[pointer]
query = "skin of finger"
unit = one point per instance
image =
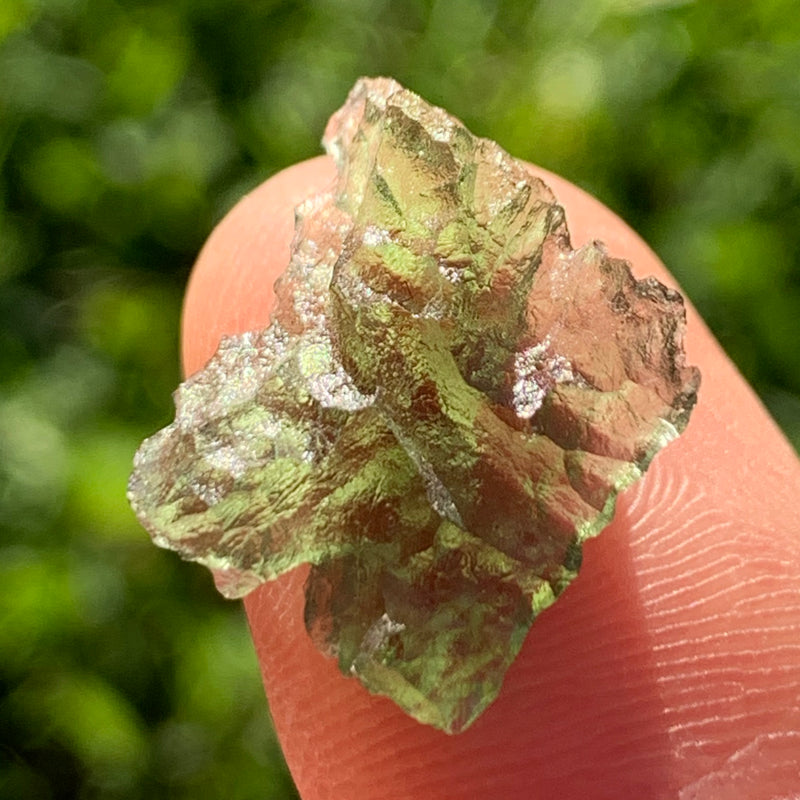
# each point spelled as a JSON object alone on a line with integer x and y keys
{"x": 670, "y": 668}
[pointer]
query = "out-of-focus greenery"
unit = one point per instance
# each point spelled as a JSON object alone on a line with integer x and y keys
{"x": 128, "y": 128}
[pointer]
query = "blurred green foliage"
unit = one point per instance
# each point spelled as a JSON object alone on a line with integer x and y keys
{"x": 128, "y": 128}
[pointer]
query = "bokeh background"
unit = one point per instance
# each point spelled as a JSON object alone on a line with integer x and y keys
{"x": 127, "y": 129}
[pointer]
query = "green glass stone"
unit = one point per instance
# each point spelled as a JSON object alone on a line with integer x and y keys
{"x": 443, "y": 408}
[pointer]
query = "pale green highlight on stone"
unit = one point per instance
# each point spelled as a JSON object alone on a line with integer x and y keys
{"x": 444, "y": 407}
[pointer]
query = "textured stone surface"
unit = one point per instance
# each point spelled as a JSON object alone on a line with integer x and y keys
{"x": 443, "y": 408}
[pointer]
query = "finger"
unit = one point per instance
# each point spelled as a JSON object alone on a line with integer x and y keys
{"x": 670, "y": 668}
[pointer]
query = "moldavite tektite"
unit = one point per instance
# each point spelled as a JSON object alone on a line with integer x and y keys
{"x": 443, "y": 408}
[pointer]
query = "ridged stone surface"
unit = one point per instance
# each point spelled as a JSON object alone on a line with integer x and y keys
{"x": 442, "y": 411}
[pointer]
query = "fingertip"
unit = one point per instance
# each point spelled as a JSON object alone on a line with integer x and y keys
{"x": 583, "y": 709}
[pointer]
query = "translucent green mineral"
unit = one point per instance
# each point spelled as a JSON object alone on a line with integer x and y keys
{"x": 443, "y": 408}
